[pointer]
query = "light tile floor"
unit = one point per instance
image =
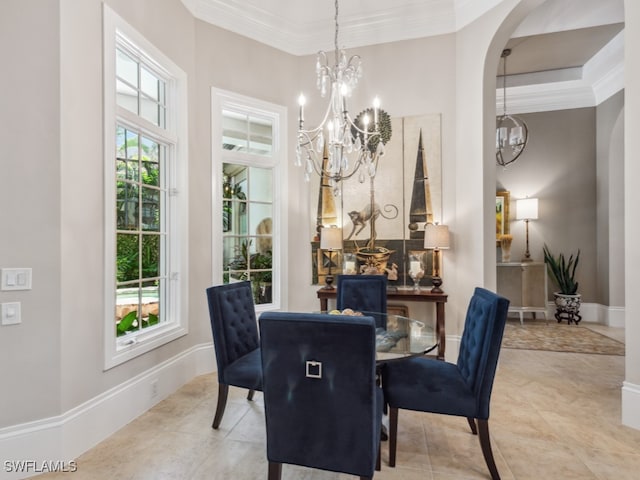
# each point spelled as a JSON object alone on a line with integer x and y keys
{"x": 554, "y": 416}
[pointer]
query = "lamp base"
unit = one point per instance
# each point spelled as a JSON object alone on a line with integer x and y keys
{"x": 437, "y": 281}
{"x": 329, "y": 283}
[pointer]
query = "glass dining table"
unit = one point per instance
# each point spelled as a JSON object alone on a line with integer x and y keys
{"x": 401, "y": 338}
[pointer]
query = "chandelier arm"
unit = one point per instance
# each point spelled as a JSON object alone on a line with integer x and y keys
{"x": 320, "y": 126}
{"x": 351, "y": 122}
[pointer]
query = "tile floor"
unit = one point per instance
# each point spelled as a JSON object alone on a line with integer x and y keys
{"x": 555, "y": 416}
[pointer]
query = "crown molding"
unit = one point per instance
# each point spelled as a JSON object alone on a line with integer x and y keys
{"x": 547, "y": 97}
{"x": 299, "y": 37}
{"x": 589, "y": 86}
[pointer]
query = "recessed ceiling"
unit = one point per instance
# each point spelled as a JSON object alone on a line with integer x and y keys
{"x": 557, "y": 50}
{"x": 576, "y": 44}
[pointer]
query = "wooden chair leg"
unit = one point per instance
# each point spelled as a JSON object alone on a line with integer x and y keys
{"x": 393, "y": 435}
{"x": 378, "y": 461}
{"x": 223, "y": 392}
{"x": 275, "y": 471}
{"x": 472, "y": 424}
{"x": 485, "y": 444}
{"x": 250, "y": 395}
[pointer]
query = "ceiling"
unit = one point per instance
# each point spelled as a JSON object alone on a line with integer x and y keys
{"x": 563, "y": 50}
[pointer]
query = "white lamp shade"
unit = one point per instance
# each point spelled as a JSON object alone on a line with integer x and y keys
{"x": 436, "y": 236}
{"x": 331, "y": 238}
{"x": 527, "y": 209}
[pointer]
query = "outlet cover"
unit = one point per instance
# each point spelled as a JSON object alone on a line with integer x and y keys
{"x": 10, "y": 313}
{"x": 15, "y": 279}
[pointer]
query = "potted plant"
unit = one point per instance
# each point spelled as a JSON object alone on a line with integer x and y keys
{"x": 563, "y": 272}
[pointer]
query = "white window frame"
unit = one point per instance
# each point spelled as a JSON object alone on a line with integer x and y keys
{"x": 118, "y": 350}
{"x": 225, "y": 100}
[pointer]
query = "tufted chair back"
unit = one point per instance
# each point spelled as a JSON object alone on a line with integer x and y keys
{"x": 365, "y": 293}
{"x": 323, "y": 408}
{"x": 233, "y": 323}
{"x": 462, "y": 388}
{"x": 480, "y": 344}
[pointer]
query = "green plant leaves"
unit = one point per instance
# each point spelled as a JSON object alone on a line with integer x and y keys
{"x": 563, "y": 271}
{"x": 127, "y": 322}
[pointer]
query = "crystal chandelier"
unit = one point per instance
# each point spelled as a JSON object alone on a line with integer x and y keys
{"x": 344, "y": 136}
{"x": 512, "y": 133}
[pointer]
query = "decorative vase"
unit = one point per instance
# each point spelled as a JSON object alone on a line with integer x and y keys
{"x": 568, "y": 307}
{"x": 505, "y": 246}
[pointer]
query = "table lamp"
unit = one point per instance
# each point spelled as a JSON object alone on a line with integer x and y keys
{"x": 330, "y": 240}
{"x": 436, "y": 237}
{"x": 527, "y": 209}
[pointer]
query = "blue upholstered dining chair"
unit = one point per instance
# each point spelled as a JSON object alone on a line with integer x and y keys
{"x": 322, "y": 406}
{"x": 365, "y": 293}
{"x": 236, "y": 341}
{"x": 463, "y": 388}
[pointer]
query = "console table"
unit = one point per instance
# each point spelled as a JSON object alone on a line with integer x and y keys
{"x": 408, "y": 295}
{"x": 525, "y": 285}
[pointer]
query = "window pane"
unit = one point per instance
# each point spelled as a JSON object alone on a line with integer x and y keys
{"x": 149, "y": 149}
{"x": 149, "y": 110}
{"x": 151, "y": 173}
{"x": 261, "y": 136}
{"x": 235, "y": 132}
{"x": 127, "y": 206}
{"x": 260, "y": 215}
{"x": 127, "y": 305}
{"x": 132, "y": 146}
{"x": 262, "y": 287}
{"x": 261, "y": 185}
{"x": 150, "y": 84}
{"x": 235, "y": 256}
{"x": 150, "y": 304}
{"x": 126, "y": 68}
{"x": 150, "y": 256}
{"x": 126, "y": 97}
{"x": 127, "y": 257}
{"x": 150, "y": 209}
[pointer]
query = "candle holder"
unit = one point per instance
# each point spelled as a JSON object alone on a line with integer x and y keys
{"x": 349, "y": 264}
{"x": 416, "y": 271}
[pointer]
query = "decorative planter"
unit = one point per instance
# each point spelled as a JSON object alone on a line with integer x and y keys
{"x": 568, "y": 307}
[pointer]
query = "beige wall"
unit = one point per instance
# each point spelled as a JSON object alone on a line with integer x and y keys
{"x": 610, "y": 204}
{"x": 30, "y": 206}
{"x": 632, "y": 198}
{"x": 558, "y": 167}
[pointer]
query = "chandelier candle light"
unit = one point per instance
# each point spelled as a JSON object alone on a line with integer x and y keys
{"x": 436, "y": 237}
{"x": 343, "y": 134}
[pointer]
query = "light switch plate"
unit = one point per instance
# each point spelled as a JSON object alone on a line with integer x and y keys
{"x": 15, "y": 279}
{"x": 10, "y": 313}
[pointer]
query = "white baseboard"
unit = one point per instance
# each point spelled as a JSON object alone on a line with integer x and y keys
{"x": 631, "y": 405}
{"x": 66, "y": 436}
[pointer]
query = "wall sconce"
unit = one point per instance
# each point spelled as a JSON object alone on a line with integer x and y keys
{"x": 436, "y": 237}
{"x": 527, "y": 209}
{"x": 330, "y": 240}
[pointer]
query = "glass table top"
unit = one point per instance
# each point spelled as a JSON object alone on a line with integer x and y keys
{"x": 402, "y": 337}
